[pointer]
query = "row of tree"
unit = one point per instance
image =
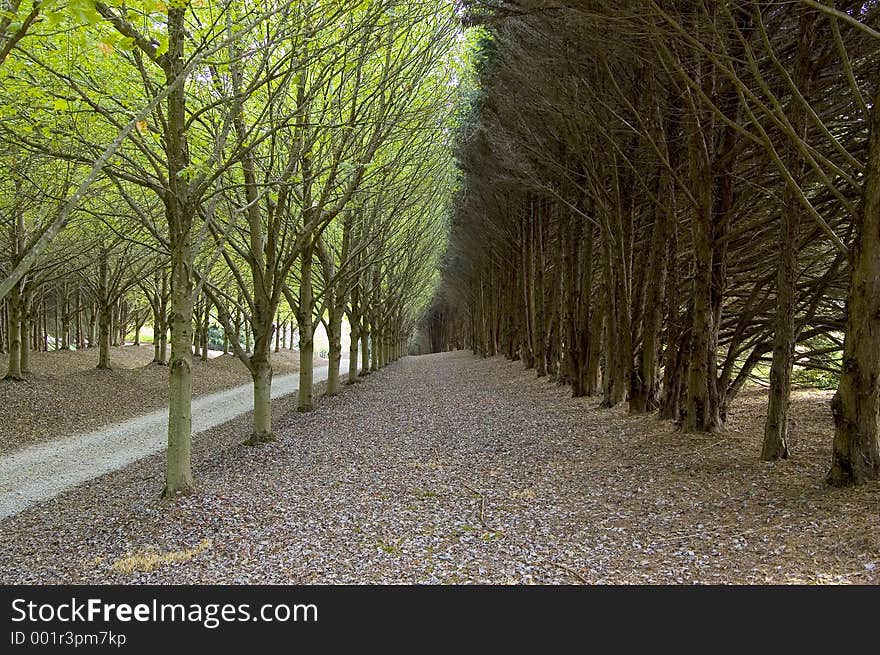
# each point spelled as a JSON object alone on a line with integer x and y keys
{"x": 666, "y": 199}
{"x": 72, "y": 313}
{"x": 236, "y": 163}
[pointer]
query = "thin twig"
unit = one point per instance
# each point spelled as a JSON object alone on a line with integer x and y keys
{"x": 567, "y": 569}
{"x": 482, "y": 514}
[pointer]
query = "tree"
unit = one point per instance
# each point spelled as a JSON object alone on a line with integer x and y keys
{"x": 666, "y": 212}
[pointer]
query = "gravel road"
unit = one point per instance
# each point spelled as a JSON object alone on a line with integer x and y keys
{"x": 44, "y": 471}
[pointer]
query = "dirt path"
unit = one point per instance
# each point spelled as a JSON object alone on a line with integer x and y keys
{"x": 454, "y": 469}
{"x": 43, "y": 471}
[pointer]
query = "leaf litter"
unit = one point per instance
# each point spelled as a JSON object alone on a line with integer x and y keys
{"x": 450, "y": 469}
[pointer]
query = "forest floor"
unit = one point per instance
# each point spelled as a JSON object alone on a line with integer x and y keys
{"x": 65, "y": 393}
{"x": 451, "y": 469}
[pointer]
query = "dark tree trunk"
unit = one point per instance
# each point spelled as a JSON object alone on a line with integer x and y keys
{"x": 856, "y": 405}
{"x": 776, "y": 427}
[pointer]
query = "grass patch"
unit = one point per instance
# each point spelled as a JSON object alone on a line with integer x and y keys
{"x": 150, "y": 559}
{"x": 389, "y": 547}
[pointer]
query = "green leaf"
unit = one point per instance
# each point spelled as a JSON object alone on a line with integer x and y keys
{"x": 163, "y": 45}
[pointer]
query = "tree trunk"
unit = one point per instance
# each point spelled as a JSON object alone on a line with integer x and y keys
{"x": 306, "y": 367}
{"x": 775, "y": 444}
{"x": 374, "y": 346}
{"x": 160, "y": 332}
{"x": 114, "y": 327}
{"x": 354, "y": 337}
{"x": 44, "y": 325}
{"x": 80, "y": 333}
{"x": 139, "y": 323}
{"x": 105, "y": 309}
{"x": 13, "y": 323}
{"x": 158, "y": 357}
{"x": 104, "y": 338}
{"x": 537, "y": 298}
{"x": 65, "y": 320}
{"x": 56, "y": 321}
{"x": 178, "y": 474}
{"x": 93, "y": 322}
{"x": 526, "y": 344}
{"x": 594, "y": 356}
{"x": 179, "y": 214}
{"x": 206, "y": 324}
{"x": 306, "y": 334}
{"x": 25, "y": 355}
{"x": 365, "y": 353}
{"x": 613, "y": 386}
{"x": 334, "y": 335}
{"x": 676, "y": 345}
{"x": 856, "y": 405}
{"x": 123, "y": 315}
{"x": 163, "y": 346}
{"x": 644, "y": 392}
{"x": 261, "y": 373}
{"x": 699, "y": 413}
{"x": 262, "y": 377}
{"x": 3, "y": 336}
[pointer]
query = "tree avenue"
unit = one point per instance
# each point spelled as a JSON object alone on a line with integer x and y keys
{"x": 659, "y": 203}
{"x": 666, "y": 201}
{"x": 248, "y": 169}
